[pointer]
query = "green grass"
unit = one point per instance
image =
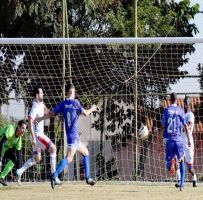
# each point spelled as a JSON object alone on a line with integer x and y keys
{"x": 101, "y": 191}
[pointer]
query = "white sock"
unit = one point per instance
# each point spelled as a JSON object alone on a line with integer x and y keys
{"x": 178, "y": 175}
{"x": 29, "y": 163}
{"x": 53, "y": 162}
{"x": 194, "y": 178}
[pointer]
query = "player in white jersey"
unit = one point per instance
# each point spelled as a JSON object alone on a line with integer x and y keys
{"x": 189, "y": 151}
{"x": 39, "y": 140}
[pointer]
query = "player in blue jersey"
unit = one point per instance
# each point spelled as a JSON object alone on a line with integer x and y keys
{"x": 171, "y": 127}
{"x": 70, "y": 108}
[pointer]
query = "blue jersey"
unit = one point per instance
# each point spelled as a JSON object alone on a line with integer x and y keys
{"x": 173, "y": 121}
{"x": 70, "y": 108}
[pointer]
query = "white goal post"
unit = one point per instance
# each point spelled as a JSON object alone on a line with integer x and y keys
{"x": 130, "y": 87}
{"x": 150, "y": 40}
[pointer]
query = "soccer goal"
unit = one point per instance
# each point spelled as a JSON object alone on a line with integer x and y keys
{"x": 129, "y": 79}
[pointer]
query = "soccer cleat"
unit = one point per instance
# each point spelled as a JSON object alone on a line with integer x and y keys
{"x": 57, "y": 181}
{"x": 18, "y": 175}
{"x": 2, "y": 181}
{"x": 177, "y": 185}
{"x": 181, "y": 187}
{"x": 52, "y": 179}
{"x": 90, "y": 181}
{"x": 194, "y": 183}
{"x": 172, "y": 170}
{"x": 19, "y": 181}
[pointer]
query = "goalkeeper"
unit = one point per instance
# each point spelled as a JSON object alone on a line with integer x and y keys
{"x": 10, "y": 146}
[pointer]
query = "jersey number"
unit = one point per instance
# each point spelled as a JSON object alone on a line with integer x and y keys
{"x": 171, "y": 125}
{"x": 69, "y": 119}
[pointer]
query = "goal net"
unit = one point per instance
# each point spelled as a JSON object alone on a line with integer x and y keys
{"x": 128, "y": 79}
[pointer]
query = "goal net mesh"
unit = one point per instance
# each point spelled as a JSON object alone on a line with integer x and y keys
{"x": 130, "y": 89}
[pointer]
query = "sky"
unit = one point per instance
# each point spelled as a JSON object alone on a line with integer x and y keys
{"x": 17, "y": 109}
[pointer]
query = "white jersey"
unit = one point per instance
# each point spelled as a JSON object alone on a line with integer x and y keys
{"x": 37, "y": 110}
{"x": 189, "y": 117}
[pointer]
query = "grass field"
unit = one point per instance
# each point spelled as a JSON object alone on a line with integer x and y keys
{"x": 102, "y": 190}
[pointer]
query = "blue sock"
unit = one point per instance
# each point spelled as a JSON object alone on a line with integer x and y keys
{"x": 62, "y": 165}
{"x": 182, "y": 173}
{"x": 87, "y": 166}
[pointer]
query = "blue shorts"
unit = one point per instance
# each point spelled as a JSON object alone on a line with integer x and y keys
{"x": 174, "y": 148}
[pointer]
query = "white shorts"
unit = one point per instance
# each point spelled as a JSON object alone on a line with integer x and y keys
{"x": 42, "y": 143}
{"x": 189, "y": 156}
{"x": 76, "y": 145}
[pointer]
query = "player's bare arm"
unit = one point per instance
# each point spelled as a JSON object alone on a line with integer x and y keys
{"x": 46, "y": 110}
{"x": 46, "y": 116}
{"x": 162, "y": 133}
{"x": 89, "y": 111}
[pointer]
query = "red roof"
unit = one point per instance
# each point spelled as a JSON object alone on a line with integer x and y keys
{"x": 195, "y": 102}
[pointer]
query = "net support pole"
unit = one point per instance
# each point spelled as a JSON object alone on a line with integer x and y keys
{"x": 63, "y": 78}
{"x": 67, "y": 50}
{"x": 135, "y": 93}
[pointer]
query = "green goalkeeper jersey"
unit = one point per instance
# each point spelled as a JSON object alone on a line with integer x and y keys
{"x": 12, "y": 141}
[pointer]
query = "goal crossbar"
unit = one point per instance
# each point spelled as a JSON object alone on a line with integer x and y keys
{"x": 158, "y": 40}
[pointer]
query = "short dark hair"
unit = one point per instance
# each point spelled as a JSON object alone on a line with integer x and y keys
{"x": 187, "y": 100}
{"x": 69, "y": 86}
{"x": 173, "y": 97}
{"x": 21, "y": 122}
{"x": 36, "y": 90}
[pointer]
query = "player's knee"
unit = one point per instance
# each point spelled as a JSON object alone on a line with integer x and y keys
{"x": 52, "y": 148}
{"x": 69, "y": 159}
{"x": 14, "y": 160}
{"x": 86, "y": 153}
{"x": 37, "y": 158}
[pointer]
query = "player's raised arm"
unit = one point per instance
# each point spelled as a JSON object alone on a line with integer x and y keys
{"x": 89, "y": 111}
{"x": 85, "y": 112}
